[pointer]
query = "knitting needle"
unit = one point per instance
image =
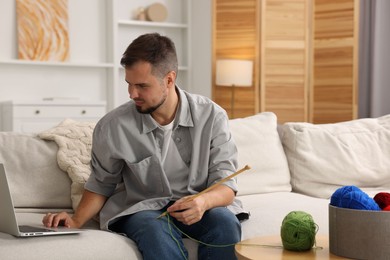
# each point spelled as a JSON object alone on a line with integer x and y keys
{"x": 212, "y": 186}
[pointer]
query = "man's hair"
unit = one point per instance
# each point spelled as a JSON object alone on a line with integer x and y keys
{"x": 155, "y": 49}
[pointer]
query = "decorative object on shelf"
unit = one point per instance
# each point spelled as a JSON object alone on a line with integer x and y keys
{"x": 156, "y": 12}
{"x": 234, "y": 73}
{"x": 141, "y": 15}
{"x": 42, "y": 30}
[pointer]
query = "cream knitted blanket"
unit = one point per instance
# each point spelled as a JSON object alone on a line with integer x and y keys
{"x": 74, "y": 140}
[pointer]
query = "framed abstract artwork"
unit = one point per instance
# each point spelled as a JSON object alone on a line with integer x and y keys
{"x": 42, "y": 29}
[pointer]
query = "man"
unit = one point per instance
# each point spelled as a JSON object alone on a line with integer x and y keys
{"x": 154, "y": 151}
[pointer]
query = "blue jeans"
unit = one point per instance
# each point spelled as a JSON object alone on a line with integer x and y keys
{"x": 158, "y": 239}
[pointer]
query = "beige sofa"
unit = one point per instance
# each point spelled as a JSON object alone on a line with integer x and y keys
{"x": 295, "y": 166}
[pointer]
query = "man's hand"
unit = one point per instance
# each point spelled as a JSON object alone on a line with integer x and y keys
{"x": 188, "y": 211}
{"x": 90, "y": 204}
{"x": 60, "y": 219}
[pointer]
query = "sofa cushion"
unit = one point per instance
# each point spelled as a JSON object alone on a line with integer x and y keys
{"x": 325, "y": 157}
{"x": 269, "y": 209}
{"x": 34, "y": 177}
{"x": 259, "y": 146}
{"x": 89, "y": 244}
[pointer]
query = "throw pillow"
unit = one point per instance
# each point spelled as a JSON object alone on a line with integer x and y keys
{"x": 325, "y": 157}
{"x": 74, "y": 140}
{"x": 259, "y": 146}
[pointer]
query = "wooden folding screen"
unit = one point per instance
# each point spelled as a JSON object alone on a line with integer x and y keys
{"x": 305, "y": 56}
{"x": 236, "y": 27}
{"x": 334, "y": 94}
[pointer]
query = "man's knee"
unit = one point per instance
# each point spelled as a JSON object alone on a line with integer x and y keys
{"x": 222, "y": 215}
{"x": 223, "y": 220}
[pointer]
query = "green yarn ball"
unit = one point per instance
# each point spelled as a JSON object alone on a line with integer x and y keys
{"x": 298, "y": 231}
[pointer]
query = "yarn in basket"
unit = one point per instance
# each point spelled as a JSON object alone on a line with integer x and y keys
{"x": 352, "y": 197}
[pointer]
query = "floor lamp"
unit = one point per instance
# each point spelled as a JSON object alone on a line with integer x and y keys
{"x": 234, "y": 73}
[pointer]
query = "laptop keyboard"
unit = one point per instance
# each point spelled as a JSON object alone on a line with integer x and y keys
{"x": 34, "y": 229}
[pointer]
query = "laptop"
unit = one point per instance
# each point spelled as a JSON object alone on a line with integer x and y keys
{"x": 8, "y": 221}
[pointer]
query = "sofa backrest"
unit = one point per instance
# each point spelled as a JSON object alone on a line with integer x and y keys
{"x": 259, "y": 146}
{"x": 34, "y": 177}
{"x": 311, "y": 159}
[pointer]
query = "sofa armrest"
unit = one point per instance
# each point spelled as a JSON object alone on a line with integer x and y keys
{"x": 34, "y": 177}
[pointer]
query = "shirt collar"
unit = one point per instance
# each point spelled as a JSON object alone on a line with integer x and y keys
{"x": 183, "y": 115}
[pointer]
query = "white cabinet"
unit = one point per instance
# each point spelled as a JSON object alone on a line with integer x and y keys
{"x": 27, "y": 116}
{"x": 99, "y": 32}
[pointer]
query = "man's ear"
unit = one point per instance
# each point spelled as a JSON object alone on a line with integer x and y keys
{"x": 171, "y": 78}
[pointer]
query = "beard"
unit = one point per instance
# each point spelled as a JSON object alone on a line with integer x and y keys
{"x": 151, "y": 109}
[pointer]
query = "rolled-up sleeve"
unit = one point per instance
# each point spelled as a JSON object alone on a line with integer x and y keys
{"x": 223, "y": 153}
{"x": 105, "y": 170}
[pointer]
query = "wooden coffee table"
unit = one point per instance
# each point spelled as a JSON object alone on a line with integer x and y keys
{"x": 270, "y": 247}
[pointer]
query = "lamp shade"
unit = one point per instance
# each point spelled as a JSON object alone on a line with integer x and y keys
{"x": 231, "y": 72}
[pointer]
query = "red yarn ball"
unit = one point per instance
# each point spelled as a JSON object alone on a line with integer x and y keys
{"x": 383, "y": 200}
{"x": 386, "y": 208}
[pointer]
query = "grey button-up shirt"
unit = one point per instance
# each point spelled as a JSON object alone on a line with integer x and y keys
{"x": 126, "y": 161}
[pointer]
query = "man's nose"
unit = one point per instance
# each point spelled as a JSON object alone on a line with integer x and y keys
{"x": 133, "y": 93}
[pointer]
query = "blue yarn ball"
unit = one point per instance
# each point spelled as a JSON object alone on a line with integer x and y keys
{"x": 351, "y": 197}
{"x": 335, "y": 200}
{"x": 359, "y": 200}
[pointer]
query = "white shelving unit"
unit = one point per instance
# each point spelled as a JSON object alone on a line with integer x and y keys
{"x": 125, "y": 28}
{"x": 54, "y": 63}
{"x": 99, "y": 31}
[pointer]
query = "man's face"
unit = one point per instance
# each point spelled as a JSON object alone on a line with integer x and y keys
{"x": 148, "y": 92}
